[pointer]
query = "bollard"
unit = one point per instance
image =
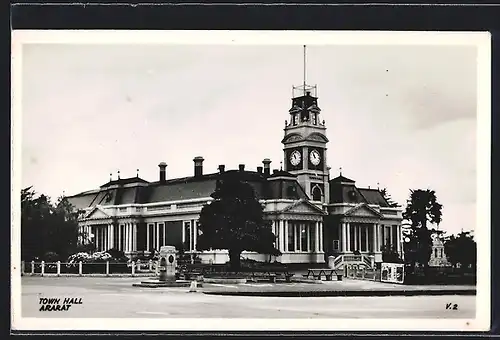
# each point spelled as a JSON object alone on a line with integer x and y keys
{"x": 32, "y": 267}
{"x": 80, "y": 269}
{"x": 43, "y": 267}
{"x": 58, "y": 268}
{"x": 107, "y": 268}
{"x": 133, "y": 268}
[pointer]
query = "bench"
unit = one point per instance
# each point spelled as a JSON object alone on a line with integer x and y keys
{"x": 326, "y": 272}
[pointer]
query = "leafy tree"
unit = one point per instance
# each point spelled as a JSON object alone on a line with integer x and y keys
{"x": 388, "y": 198}
{"x": 461, "y": 249}
{"x": 234, "y": 220}
{"x": 422, "y": 208}
{"x": 47, "y": 230}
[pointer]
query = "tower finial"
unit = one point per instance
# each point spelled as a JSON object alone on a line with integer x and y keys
{"x": 340, "y": 171}
{"x": 137, "y": 173}
{"x": 118, "y": 174}
{"x": 305, "y": 67}
{"x": 281, "y": 166}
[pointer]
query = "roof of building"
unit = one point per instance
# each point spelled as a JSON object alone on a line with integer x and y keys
{"x": 343, "y": 190}
{"x": 341, "y": 179}
{"x": 139, "y": 191}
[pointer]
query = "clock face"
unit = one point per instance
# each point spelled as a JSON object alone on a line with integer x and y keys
{"x": 295, "y": 158}
{"x": 315, "y": 157}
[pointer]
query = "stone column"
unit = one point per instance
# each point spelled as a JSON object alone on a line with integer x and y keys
{"x": 281, "y": 235}
{"x": 134, "y": 236}
{"x": 374, "y": 246}
{"x": 147, "y": 236}
{"x": 343, "y": 237}
{"x": 398, "y": 238}
{"x": 355, "y": 235}
{"x": 111, "y": 236}
{"x": 195, "y": 234}
{"x": 380, "y": 237}
{"x": 316, "y": 237}
{"x": 321, "y": 236}
{"x": 285, "y": 236}
{"x": 348, "y": 237}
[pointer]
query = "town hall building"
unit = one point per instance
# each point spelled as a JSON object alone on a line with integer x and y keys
{"x": 313, "y": 216}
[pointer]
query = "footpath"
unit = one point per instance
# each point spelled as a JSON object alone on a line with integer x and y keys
{"x": 346, "y": 287}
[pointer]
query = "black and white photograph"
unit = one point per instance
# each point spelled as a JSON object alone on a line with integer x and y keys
{"x": 239, "y": 180}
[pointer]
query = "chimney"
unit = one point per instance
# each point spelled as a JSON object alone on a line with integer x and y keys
{"x": 241, "y": 167}
{"x": 198, "y": 166}
{"x": 222, "y": 168}
{"x": 267, "y": 166}
{"x": 259, "y": 169}
{"x": 163, "y": 171}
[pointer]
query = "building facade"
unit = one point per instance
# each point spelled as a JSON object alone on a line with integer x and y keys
{"x": 312, "y": 216}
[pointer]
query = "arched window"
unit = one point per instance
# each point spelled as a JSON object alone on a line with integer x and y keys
{"x": 316, "y": 194}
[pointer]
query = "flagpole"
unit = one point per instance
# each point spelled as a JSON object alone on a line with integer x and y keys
{"x": 304, "y": 67}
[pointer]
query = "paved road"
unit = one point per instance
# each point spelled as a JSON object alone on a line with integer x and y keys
{"x": 116, "y": 298}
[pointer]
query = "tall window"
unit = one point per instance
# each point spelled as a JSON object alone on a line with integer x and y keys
{"x": 187, "y": 236}
{"x": 162, "y": 235}
{"x": 312, "y": 238}
{"x": 394, "y": 235}
{"x": 316, "y": 194}
{"x": 151, "y": 242}
{"x": 303, "y": 237}
{"x": 291, "y": 236}
{"x": 122, "y": 237}
{"x": 387, "y": 235}
{"x": 364, "y": 246}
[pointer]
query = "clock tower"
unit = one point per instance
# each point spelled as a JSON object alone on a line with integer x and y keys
{"x": 304, "y": 143}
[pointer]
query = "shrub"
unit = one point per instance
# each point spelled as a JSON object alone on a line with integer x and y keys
{"x": 51, "y": 257}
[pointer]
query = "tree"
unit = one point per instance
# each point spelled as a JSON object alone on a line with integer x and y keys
{"x": 47, "y": 228}
{"x": 461, "y": 249}
{"x": 422, "y": 208}
{"x": 388, "y": 198}
{"x": 234, "y": 220}
{"x": 390, "y": 254}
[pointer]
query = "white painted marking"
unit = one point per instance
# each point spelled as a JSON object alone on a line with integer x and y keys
{"x": 156, "y": 313}
{"x": 221, "y": 285}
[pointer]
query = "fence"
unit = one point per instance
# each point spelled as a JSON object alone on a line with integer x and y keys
{"x": 89, "y": 268}
{"x": 361, "y": 273}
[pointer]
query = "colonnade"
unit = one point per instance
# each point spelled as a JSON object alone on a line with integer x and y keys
{"x": 375, "y": 235}
{"x": 281, "y": 229}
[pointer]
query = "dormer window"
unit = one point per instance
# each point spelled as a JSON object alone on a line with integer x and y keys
{"x": 295, "y": 119}
{"x": 291, "y": 192}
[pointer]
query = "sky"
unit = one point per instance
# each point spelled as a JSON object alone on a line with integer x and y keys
{"x": 400, "y": 116}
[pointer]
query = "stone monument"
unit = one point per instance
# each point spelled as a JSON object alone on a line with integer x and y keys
{"x": 168, "y": 264}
